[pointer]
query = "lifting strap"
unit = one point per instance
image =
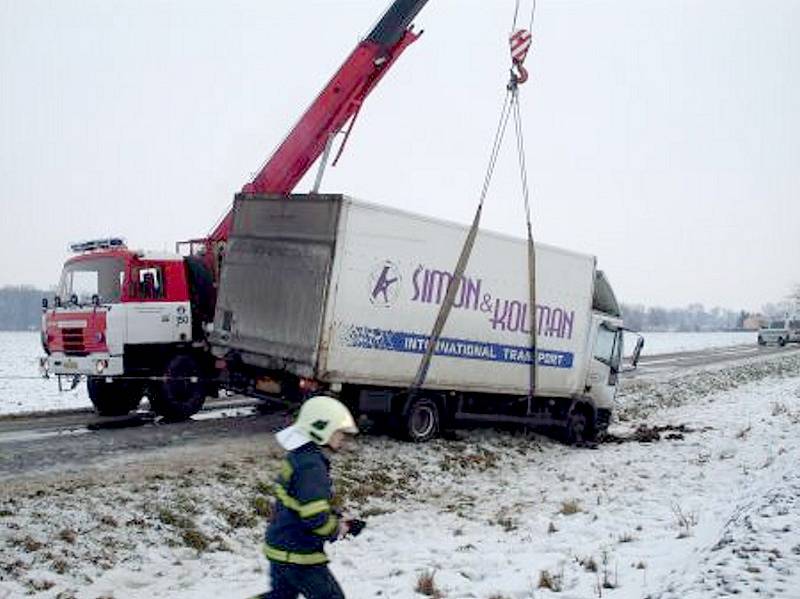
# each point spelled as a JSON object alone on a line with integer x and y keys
{"x": 520, "y": 42}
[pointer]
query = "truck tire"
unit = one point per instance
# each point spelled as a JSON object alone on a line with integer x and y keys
{"x": 580, "y": 426}
{"x": 421, "y": 421}
{"x": 115, "y": 398}
{"x": 183, "y": 391}
{"x": 781, "y": 341}
{"x": 761, "y": 340}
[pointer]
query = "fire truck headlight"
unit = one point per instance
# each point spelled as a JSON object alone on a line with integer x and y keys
{"x": 100, "y": 366}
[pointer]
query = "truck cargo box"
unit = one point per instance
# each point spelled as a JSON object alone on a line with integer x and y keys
{"x": 345, "y": 291}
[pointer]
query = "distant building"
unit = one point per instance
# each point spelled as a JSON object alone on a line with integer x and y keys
{"x": 754, "y": 322}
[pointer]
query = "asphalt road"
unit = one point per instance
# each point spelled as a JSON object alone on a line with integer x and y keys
{"x": 74, "y": 439}
{"x": 667, "y": 363}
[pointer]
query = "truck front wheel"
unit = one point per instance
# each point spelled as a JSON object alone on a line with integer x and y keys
{"x": 114, "y": 398}
{"x": 183, "y": 391}
{"x": 781, "y": 341}
{"x": 580, "y": 427}
{"x": 421, "y": 421}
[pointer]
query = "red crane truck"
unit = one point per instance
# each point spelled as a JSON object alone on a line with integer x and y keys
{"x": 135, "y": 322}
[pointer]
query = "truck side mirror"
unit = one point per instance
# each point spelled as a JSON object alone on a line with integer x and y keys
{"x": 637, "y": 351}
{"x": 44, "y": 303}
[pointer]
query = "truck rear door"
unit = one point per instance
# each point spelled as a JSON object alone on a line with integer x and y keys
{"x": 274, "y": 280}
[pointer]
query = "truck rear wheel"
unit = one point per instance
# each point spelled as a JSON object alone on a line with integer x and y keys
{"x": 183, "y": 391}
{"x": 781, "y": 341}
{"x": 422, "y": 420}
{"x": 115, "y": 398}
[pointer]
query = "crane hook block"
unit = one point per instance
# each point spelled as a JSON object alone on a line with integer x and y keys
{"x": 519, "y": 42}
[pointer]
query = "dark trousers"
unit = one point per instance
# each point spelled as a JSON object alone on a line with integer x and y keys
{"x": 312, "y": 582}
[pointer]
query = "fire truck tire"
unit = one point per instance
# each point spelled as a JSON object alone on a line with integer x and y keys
{"x": 115, "y": 398}
{"x": 183, "y": 391}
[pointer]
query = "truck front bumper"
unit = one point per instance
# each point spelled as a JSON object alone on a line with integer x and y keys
{"x": 94, "y": 365}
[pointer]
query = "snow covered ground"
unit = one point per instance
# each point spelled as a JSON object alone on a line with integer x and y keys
{"x": 666, "y": 343}
{"x": 706, "y": 508}
{"x": 22, "y": 390}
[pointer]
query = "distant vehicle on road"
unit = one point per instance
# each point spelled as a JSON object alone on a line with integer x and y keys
{"x": 780, "y": 331}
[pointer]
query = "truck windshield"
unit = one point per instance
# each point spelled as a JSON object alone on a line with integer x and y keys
{"x": 776, "y": 324}
{"x": 101, "y": 276}
{"x": 608, "y": 346}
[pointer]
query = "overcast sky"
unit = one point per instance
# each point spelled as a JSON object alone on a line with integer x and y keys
{"x": 662, "y": 137}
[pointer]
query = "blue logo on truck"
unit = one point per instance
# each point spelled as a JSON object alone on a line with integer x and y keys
{"x": 414, "y": 343}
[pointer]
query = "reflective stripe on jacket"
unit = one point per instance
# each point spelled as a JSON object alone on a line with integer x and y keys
{"x": 303, "y": 519}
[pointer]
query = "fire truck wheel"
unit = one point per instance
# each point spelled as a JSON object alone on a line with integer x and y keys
{"x": 115, "y": 398}
{"x": 183, "y": 392}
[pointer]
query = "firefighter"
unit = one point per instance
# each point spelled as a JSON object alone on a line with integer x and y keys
{"x": 303, "y": 518}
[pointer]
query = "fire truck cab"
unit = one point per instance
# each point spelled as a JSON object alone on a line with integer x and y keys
{"x": 123, "y": 319}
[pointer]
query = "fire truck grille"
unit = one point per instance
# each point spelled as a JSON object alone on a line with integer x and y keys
{"x": 74, "y": 343}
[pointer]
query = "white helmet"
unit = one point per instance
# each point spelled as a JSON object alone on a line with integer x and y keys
{"x": 321, "y": 416}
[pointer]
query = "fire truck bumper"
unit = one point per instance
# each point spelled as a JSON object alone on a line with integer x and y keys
{"x": 94, "y": 365}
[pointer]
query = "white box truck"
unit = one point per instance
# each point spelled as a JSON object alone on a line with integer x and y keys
{"x": 329, "y": 293}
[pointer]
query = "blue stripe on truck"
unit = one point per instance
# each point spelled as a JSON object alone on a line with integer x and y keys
{"x": 414, "y": 343}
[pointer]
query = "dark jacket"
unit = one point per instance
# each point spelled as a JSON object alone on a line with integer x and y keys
{"x": 303, "y": 518}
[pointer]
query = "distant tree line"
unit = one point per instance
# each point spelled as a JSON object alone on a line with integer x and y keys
{"x": 21, "y": 308}
{"x": 693, "y": 317}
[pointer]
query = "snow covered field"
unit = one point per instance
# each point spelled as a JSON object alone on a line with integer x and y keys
{"x": 22, "y": 390}
{"x": 666, "y": 343}
{"x": 706, "y": 508}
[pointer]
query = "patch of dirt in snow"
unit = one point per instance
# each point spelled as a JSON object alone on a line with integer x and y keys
{"x": 644, "y": 433}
